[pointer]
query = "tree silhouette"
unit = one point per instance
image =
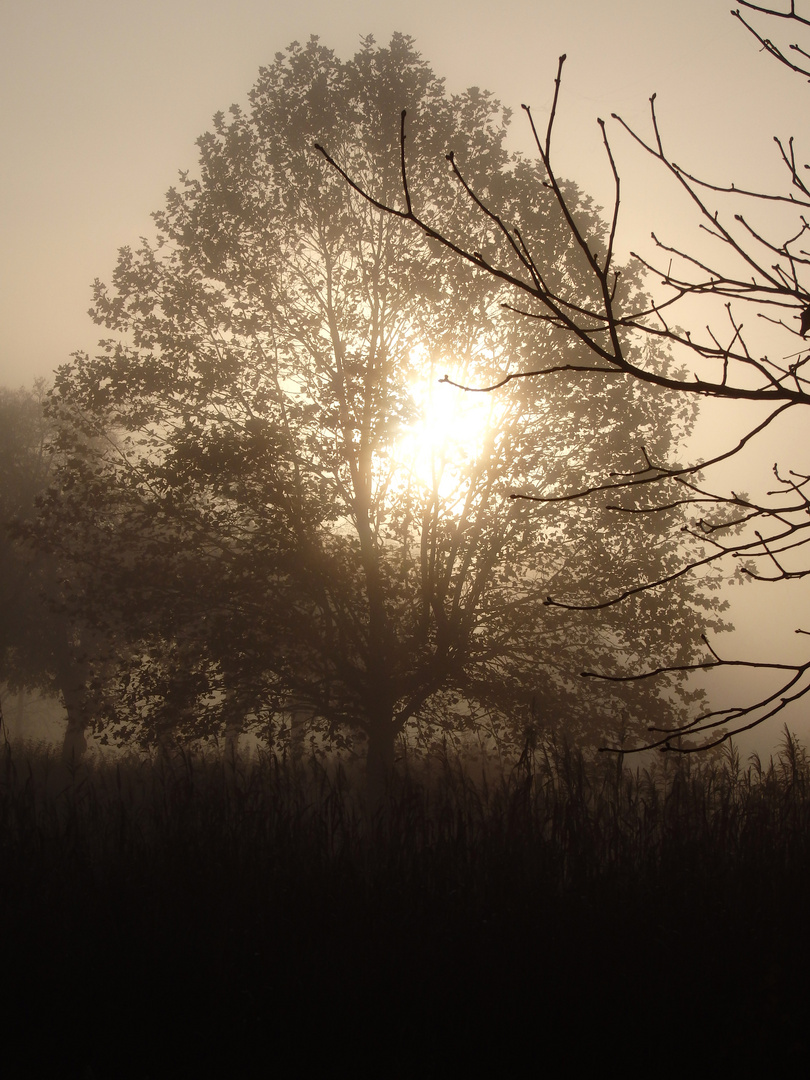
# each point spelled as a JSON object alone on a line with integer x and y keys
{"x": 632, "y": 339}
{"x": 268, "y": 481}
{"x": 42, "y": 646}
{"x": 24, "y": 652}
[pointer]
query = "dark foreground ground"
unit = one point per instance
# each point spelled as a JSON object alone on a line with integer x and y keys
{"x": 175, "y": 922}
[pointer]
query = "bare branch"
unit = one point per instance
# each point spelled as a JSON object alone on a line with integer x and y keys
{"x": 747, "y": 263}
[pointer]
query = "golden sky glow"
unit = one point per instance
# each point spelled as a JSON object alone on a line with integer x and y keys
{"x": 103, "y": 101}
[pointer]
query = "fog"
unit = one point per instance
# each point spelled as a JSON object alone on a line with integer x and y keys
{"x": 104, "y": 105}
{"x": 307, "y": 654}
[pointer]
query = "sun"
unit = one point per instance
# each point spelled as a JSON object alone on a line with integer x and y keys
{"x": 449, "y": 430}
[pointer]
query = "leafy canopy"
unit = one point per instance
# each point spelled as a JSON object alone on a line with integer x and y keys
{"x": 270, "y": 484}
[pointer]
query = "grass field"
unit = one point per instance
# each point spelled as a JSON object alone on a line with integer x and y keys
{"x": 181, "y": 919}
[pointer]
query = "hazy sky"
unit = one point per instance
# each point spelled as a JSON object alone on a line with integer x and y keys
{"x": 103, "y": 100}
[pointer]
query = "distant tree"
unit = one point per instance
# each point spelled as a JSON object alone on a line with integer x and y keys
{"x": 41, "y": 646}
{"x": 24, "y": 471}
{"x": 286, "y": 512}
{"x": 757, "y": 262}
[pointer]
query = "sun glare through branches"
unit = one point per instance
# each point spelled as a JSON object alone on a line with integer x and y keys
{"x": 449, "y": 428}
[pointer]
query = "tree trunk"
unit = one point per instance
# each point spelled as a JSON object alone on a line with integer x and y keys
{"x": 232, "y": 734}
{"x": 74, "y": 744}
{"x": 233, "y": 731}
{"x": 14, "y": 717}
{"x": 379, "y": 763}
{"x": 299, "y": 718}
{"x": 169, "y": 750}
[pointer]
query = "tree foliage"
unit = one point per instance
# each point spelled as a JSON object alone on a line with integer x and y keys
{"x": 24, "y": 467}
{"x": 43, "y": 647}
{"x": 274, "y": 494}
{"x": 754, "y": 261}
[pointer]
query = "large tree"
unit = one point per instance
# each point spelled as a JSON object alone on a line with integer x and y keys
{"x": 284, "y": 509}
{"x": 747, "y": 258}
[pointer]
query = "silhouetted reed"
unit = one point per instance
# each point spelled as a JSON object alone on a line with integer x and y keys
{"x": 559, "y": 899}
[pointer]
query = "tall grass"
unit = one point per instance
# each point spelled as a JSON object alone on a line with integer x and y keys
{"x": 171, "y": 916}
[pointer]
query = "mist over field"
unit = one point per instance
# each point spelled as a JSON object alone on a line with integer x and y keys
{"x": 402, "y": 561}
